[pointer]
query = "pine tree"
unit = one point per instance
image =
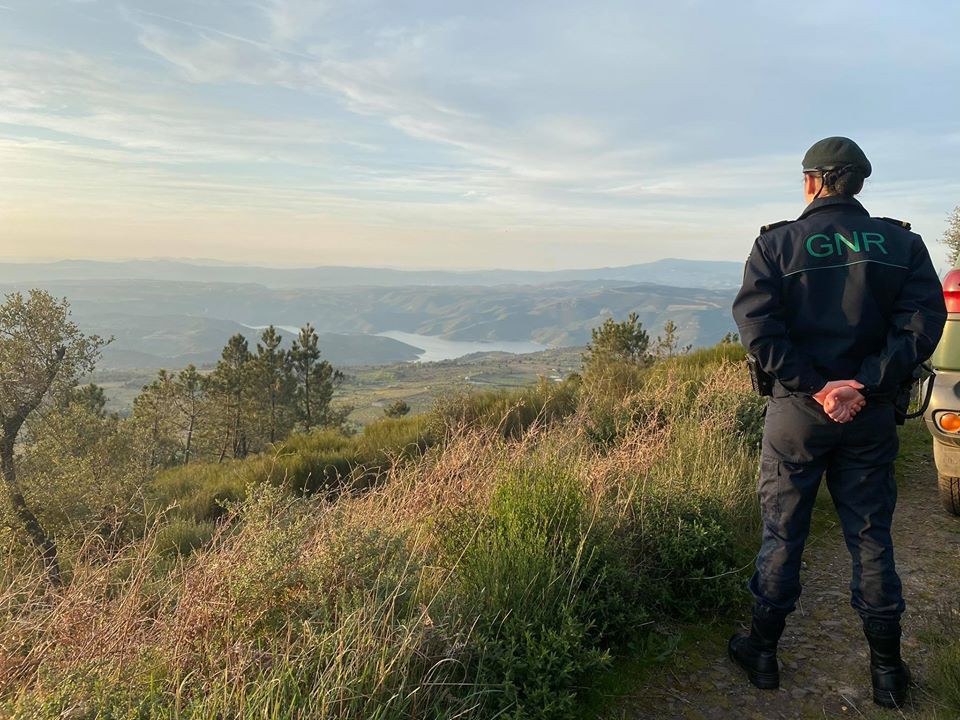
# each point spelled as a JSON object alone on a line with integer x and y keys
{"x": 189, "y": 397}
{"x": 275, "y": 383}
{"x": 669, "y": 344}
{"x": 230, "y": 379}
{"x": 315, "y": 379}
{"x": 625, "y": 341}
{"x": 91, "y": 396}
{"x": 154, "y": 412}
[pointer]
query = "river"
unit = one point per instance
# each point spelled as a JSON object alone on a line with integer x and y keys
{"x": 438, "y": 348}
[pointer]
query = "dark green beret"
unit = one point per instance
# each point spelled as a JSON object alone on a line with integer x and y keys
{"x": 834, "y": 152}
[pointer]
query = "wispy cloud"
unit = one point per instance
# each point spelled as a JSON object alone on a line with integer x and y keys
{"x": 556, "y": 138}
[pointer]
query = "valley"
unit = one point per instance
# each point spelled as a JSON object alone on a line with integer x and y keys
{"x": 369, "y": 389}
{"x": 158, "y": 321}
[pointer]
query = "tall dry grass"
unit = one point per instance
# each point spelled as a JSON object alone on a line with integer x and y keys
{"x": 491, "y": 576}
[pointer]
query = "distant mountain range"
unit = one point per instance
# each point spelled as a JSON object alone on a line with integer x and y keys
{"x": 169, "y": 322}
{"x": 679, "y": 273}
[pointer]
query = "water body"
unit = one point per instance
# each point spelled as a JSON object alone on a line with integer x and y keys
{"x": 438, "y": 348}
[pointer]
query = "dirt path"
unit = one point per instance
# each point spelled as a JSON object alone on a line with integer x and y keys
{"x": 823, "y": 653}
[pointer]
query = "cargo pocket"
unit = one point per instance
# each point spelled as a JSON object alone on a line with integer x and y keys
{"x": 768, "y": 490}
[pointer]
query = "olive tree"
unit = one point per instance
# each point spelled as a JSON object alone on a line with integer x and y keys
{"x": 42, "y": 356}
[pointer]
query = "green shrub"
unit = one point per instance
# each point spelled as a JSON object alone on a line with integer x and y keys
{"x": 389, "y": 438}
{"x": 944, "y": 637}
{"x": 691, "y": 553}
{"x": 308, "y": 462}
{"x": 749, "y": 419}
{"x": 607, "y": 418}
{"x": 325, "y": 459}
{"x": 625, "y": 395}
{"x": 200, "y": 491}
{"x": 945, "y": 679}
{"x": 509, "y": 412}
{"x": 493, "y": 579}
{"x": 610, "y": 401}
{"x": 705, "y": 360}
{"x": 181, "y": 536}
{"x": 87, "y": 695}
{"x": 544, "y": 592}
{"x": 305, "y": 462}
{"x": 317, "y": 441}
{"x": 698, "y": 516}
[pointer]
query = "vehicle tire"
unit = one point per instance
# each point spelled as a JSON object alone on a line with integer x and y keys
{"x": 950, "y": 493}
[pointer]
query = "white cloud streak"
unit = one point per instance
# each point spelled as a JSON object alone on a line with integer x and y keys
{"x": 289, "y": 112}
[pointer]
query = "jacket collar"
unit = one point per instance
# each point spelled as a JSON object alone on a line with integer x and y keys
{"x": 835, "y": 202}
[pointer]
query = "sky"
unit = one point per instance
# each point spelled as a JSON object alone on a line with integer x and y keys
{"x": 429, "y": 134}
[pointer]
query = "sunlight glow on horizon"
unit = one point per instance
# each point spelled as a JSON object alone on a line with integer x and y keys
{"x": 300, "y": 133}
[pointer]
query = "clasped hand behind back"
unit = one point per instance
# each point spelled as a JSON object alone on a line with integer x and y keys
{"x": 841, "y": 400}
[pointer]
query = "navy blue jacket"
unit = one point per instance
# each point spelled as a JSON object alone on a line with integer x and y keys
{"x": 837, "y": 294}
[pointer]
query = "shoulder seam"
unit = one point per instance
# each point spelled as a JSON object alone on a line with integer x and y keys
{"x": 774, "y": 225}
{"x": 901, "y": 223}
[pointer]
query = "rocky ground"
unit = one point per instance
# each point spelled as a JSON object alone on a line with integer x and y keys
{"x": 823, "y": 653}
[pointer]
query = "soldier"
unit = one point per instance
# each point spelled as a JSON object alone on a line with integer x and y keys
{"x": 838, "y": 308}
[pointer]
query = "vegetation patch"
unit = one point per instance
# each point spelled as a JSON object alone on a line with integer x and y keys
{"x": 488, "y": 559}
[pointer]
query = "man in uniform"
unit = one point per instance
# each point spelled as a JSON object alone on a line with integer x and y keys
{"x": 838, "y": 308}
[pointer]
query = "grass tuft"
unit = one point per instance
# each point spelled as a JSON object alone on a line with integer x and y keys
{"x": 487, "y": 561}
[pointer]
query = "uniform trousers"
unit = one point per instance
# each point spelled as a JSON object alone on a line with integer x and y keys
{"x": 801, "y": 444}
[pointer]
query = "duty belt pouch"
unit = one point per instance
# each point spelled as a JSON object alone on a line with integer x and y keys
{"x": 761, "y": 381}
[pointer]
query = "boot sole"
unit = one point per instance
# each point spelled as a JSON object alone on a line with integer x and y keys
{"x": 885, "y": 698}
{"x": 764, "y": 681}
{"x": 891, "y": 699}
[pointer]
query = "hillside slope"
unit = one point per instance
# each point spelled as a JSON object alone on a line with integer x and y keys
{"x": 823, "y": 653}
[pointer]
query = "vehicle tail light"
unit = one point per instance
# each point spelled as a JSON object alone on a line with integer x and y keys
{"x": 951, "y": 290}
{"x": 949, "y": 422}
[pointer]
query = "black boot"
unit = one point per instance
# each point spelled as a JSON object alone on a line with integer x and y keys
{"x": 757, "y": 652}
{"x": 889, "y": 673}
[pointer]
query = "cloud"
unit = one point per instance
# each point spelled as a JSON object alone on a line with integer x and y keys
{"x": 446, "y": 122}
{"x": 292, "y": 20}
{"x": 107, "y": 109}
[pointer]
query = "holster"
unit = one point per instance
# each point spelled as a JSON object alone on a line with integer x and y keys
{"x": 761, "y": 381}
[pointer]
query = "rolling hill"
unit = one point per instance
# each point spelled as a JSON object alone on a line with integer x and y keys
{"x": 175, "y": 317}
{"x": 680, "y": 273}
{"x": 169, "y": 324}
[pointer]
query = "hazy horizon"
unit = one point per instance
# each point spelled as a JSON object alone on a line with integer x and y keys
{"x": 454, "y": 136}
{"x": 213, "y": 262}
